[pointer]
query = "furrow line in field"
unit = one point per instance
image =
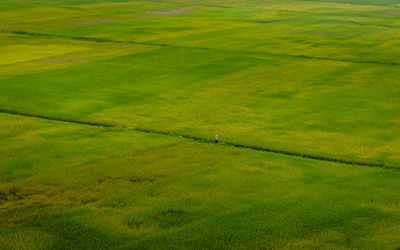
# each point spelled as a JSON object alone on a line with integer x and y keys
{"x": 203, "y": 140}
{"x": 104, "y": 40}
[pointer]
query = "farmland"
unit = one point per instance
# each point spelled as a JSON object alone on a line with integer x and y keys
{"x": 108, "y": 110}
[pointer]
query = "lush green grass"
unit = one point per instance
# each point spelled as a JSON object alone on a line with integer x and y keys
{"x": 345, "y": 110}
{"x": 247, "y": 87}
{"x": 312, "y": 77}
{"x": 74, "y": 186}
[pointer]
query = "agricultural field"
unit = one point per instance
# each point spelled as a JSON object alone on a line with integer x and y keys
{"x": 108, "y": 110}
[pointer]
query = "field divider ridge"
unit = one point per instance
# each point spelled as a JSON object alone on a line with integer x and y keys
{"x": 104, "y": 40}
{"x": 203, "y": 140}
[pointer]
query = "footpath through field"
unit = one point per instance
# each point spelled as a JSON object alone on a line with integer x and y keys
{"x": 204, "y": 140}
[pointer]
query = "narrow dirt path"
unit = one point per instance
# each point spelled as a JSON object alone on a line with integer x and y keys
{"x": 204, "y": 140}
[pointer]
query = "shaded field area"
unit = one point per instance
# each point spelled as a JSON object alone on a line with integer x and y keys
{"x": 313, "y": 78}
{"x": 78, "y": 186}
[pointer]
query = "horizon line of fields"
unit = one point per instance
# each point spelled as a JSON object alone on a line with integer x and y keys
{"x": 104, "y": 40}
{"x": 204, "y": 140}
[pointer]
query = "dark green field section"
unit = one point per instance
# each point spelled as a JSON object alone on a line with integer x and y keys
{"x": 79, "y": 186}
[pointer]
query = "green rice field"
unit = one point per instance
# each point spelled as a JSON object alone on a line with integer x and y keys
{"x": 108, "y": 111}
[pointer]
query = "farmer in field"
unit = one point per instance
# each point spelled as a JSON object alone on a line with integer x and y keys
{"x": 216, "y": 139}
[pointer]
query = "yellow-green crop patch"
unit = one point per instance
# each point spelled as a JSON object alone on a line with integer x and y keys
{"x": 22, "y": 53}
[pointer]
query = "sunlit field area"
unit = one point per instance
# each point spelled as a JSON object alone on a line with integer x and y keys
{"x": 108, "y": 112}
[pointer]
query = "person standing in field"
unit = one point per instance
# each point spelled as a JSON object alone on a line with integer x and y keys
{"x": 216, "y": 139}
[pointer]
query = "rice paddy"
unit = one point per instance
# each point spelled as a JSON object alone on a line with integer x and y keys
{"x": 108, "y": 111}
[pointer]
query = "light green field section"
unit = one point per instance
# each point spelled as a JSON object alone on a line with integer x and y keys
{"x": 74, "y": 186}
{"x": 364, "y": 31}
{"x": 22, "y": 55}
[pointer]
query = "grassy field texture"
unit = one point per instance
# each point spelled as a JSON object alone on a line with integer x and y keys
{"x": 319, "y": 78}
{"x": 312, "y": 77}
{"x": 75, "y": 186}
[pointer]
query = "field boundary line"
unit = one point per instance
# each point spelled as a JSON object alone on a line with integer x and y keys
{"x": 203, "y": 140}
{"x": 104, "y": 40}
